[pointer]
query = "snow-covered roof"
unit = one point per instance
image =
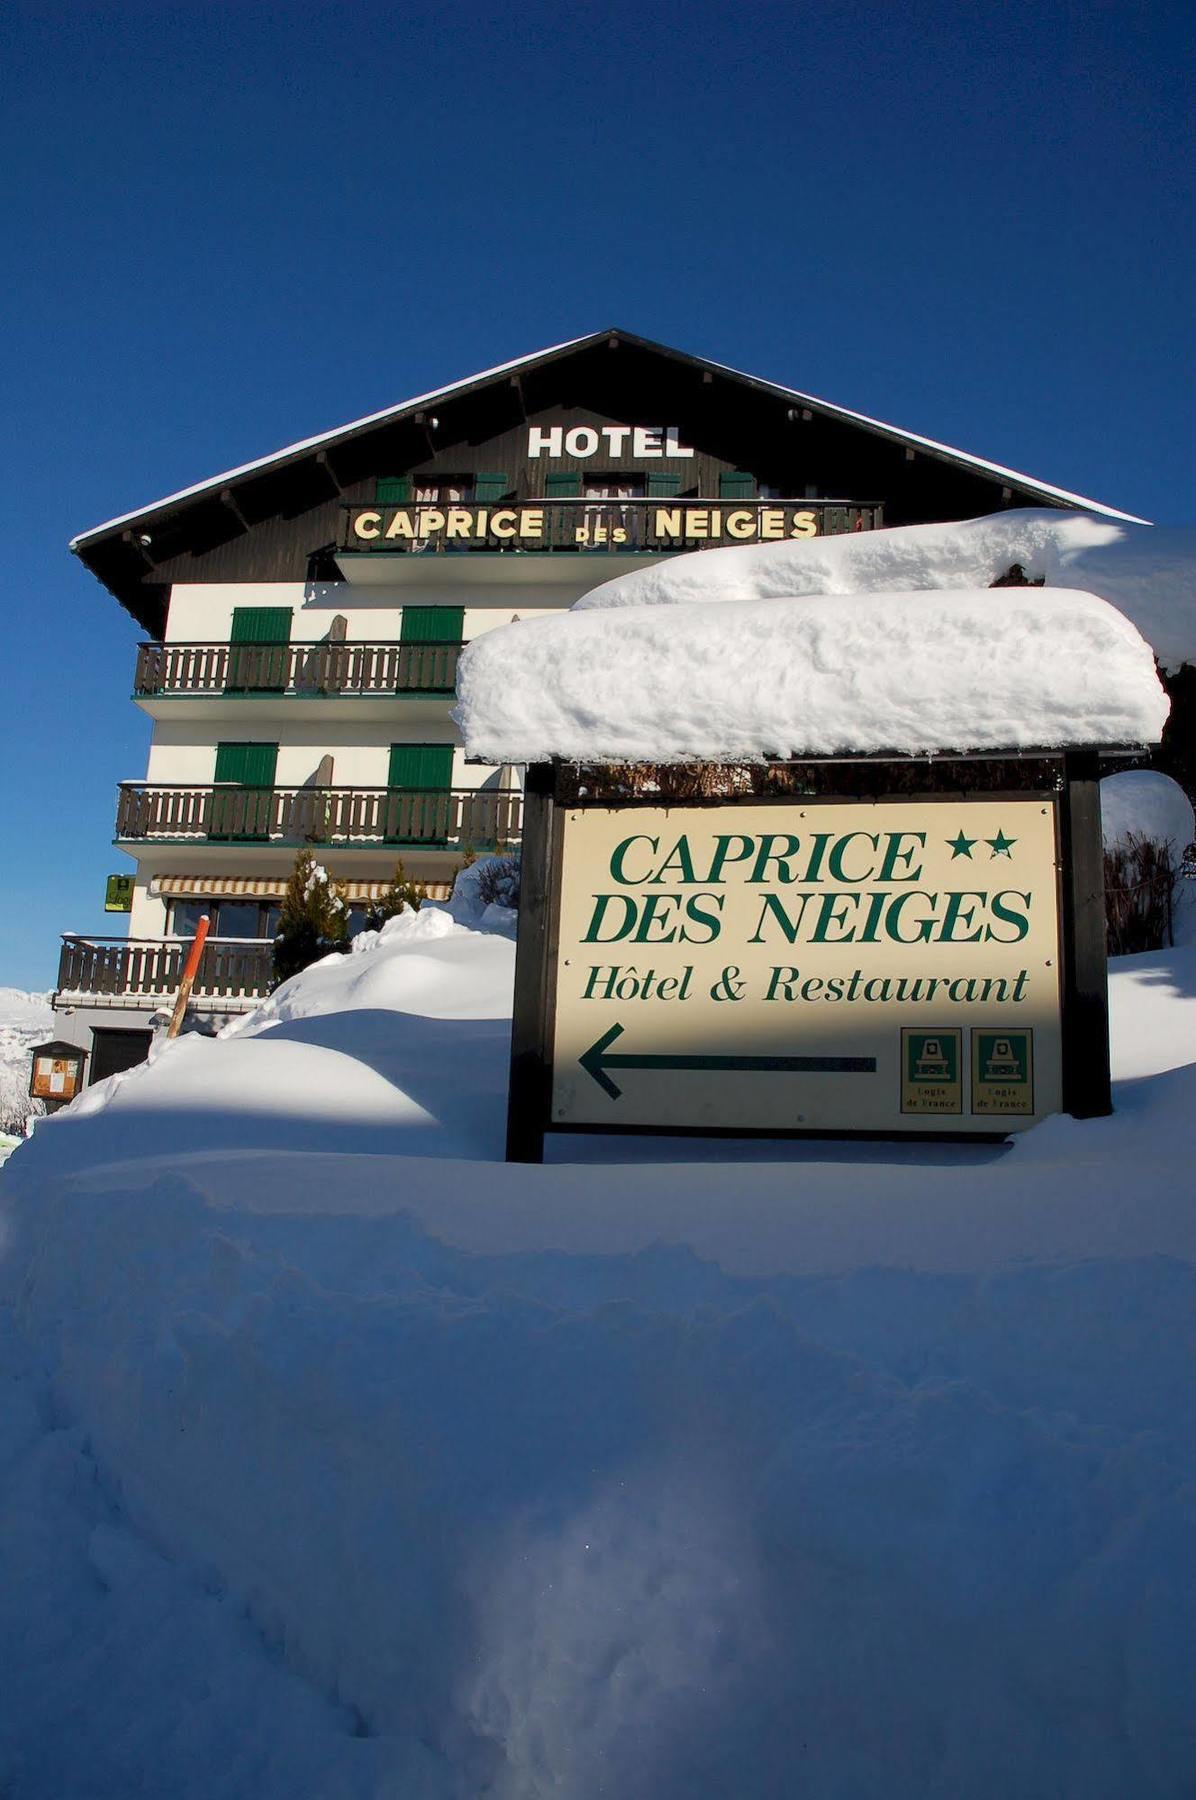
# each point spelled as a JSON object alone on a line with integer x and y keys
{"x": 325, "y": 440}
{"x": 848, "y": 674}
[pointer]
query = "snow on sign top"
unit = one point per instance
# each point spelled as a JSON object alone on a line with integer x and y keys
{"x": 1147, "y": 571}
{"x": 953, "y": 670}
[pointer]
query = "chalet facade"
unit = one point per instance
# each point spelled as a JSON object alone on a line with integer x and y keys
{"x": 304, "y": 615}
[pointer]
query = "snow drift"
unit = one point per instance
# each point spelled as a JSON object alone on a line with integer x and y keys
{"x": 873, "y": 672}
{"x": 836, "y": 1470}
{"x": 1145, "y": 803}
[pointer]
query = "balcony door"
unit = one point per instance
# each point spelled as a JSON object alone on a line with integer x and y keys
{"x": 430, "y": 637}
{"x": 420, "y": 799}
{"x": 243, "y": 798}
{"x": 259, "y": 649}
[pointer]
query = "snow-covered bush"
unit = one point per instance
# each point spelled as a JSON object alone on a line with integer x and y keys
{"x": 314, "y": 921}
{"x": 1147, "y": 823}
{"x": 1144, "y": 803}
{"x": 497, "y": 880}
{"x": 403, "y": 895}
{"x": 1141, "y": 876}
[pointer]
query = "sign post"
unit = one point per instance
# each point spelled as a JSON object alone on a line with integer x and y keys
{"x": 928, "y": 963}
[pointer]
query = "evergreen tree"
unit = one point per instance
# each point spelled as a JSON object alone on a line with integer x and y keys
{"x": 314, "y": 921}
{"x": 402, "y": 895}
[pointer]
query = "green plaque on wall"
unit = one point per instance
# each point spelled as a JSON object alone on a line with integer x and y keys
{"x": 118, "y": 896}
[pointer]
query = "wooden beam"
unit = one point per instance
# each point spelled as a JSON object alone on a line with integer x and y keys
{"x": 529, "y": 1092}
{"x": 324, "y": 461}
{"x": 229, "y": 499}
{"x": 140, "y": 543}
{"x": 1086, "y": 1078}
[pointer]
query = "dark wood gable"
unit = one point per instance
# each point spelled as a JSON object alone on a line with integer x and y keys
{"x": 279, "y": 523}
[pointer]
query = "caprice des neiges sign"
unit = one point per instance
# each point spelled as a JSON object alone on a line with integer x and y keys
{"x": 887, "y": 966}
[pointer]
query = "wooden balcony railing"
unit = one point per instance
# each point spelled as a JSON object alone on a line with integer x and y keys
{"x": 616, "y": 526}
{"x": 316, "y": 670}
{"x": 438, "y": 818}
{"x": 110, "y": 970}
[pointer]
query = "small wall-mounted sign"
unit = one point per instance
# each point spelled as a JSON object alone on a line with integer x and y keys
{"x": 118, "y": 894}
{"x": 57, "y": 1073}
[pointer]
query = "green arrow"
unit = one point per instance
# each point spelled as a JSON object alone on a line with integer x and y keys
{"x": 597, "y": 1060}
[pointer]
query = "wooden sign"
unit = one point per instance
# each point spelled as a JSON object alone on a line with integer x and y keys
{"x": 57, "y": 1073}
{"x": 783, "y": 964}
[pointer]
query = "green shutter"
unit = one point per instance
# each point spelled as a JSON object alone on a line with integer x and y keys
{"x": 736, "y": 484}
{"x": 563, "y": 485}
{"x": 261, "y": 625}
{"x": 663, "y": 487}
{"x": 421, "y": 766}
{"x": 488, "y": 488}
{"x": 392, "y": 490}
{"x": 249, "y": 765}
{"x": 432, "y": 625}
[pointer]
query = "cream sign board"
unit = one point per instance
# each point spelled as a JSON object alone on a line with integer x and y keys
{"x": 889, "y": 966}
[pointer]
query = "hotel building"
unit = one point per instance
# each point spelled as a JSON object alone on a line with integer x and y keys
{"x": 304, "y": 615}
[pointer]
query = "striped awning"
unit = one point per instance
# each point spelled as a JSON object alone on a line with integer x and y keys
{"x": 270, "y": 887}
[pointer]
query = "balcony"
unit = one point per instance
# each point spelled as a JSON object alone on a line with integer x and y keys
{"x": 136, "y": 972}
{"x": 349, "y": 817}
{"x": 282, "y": 679}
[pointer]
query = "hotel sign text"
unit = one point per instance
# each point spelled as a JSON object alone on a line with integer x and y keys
{"x": 554, "y": 524}
{"x": 614, "y": 441}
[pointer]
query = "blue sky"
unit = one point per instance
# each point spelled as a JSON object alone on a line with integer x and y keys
{"x": 230, "y": 226}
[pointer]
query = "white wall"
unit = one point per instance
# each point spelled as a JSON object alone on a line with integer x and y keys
{"x": 202, "y": 613}
{"x": 183, "y": 752}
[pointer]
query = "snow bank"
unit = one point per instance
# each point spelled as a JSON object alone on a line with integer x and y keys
{"x": 912, "y": 672}
{"x": 1144, "y": 803}
{"x": 1148, "y": 572}
{"x": 862, "y": 1470}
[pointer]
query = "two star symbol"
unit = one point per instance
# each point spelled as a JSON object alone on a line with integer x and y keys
{"x": 963, "y": 846}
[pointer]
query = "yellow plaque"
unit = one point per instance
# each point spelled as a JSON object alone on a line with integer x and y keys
{"x": 1003, "y": 1071}
{"x": 931, "y": 1069}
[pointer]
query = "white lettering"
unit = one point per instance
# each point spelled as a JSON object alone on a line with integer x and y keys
{"x": 544, "y": 441}
{"x": 367, "y": 525}
{"x": 581, "y": 441}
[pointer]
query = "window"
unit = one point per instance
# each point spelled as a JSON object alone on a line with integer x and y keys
{"x": 421, "y": 766}
{"x": 231, "y": 918}
{"x": 243, "y": 800}
{"x": 441, "y": 490}
{"x": 432, "y": 625}
{"x": 258, "y": 649}
{"x": 185, "y": 916}
{"x": 736, "y": 484}
{"x": 240, "y": 919}
{"x": 613, "y": 487}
